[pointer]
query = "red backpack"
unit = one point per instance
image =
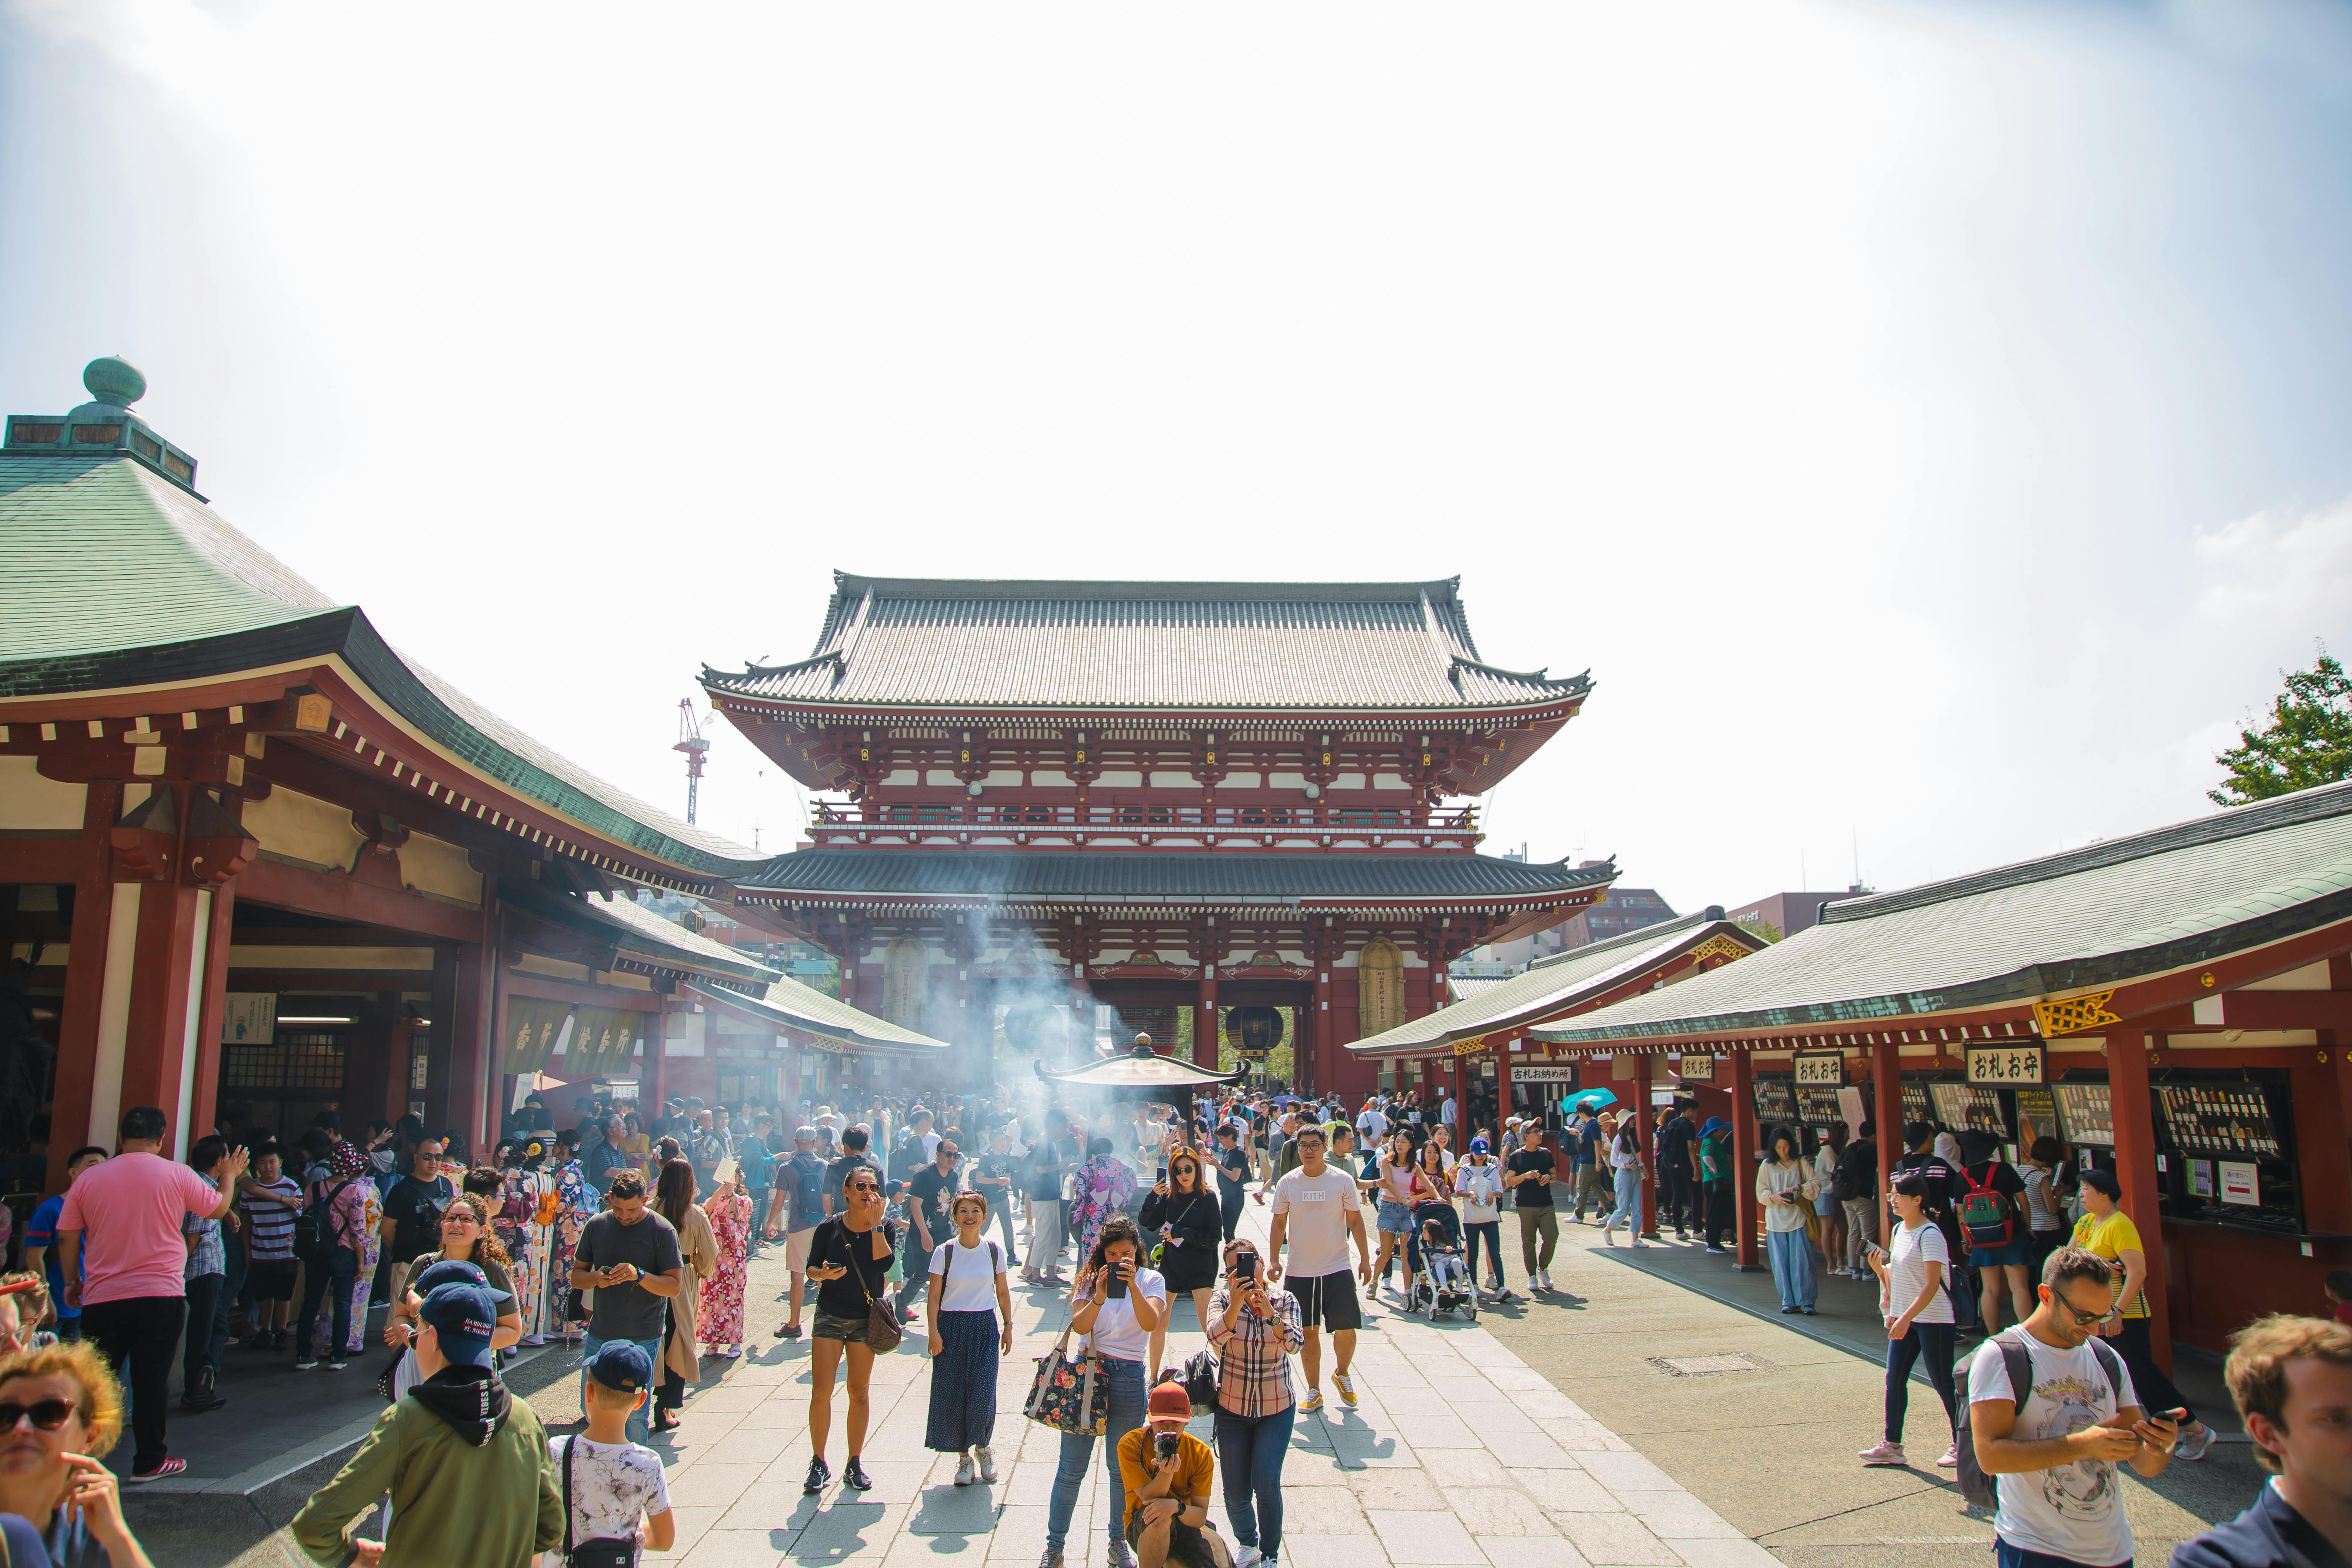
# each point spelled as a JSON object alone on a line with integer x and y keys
{"x": 1987, "y": 1218}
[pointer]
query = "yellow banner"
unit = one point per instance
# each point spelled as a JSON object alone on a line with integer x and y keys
{"x": 604, "y": 1039}
{"x": 532, "y": 1026}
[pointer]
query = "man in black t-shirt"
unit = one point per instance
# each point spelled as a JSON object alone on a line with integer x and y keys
{"x": 629, "y": 1256}
{"x": 854, "y": 1155}
{"x": 412, "y": 1212}
{"x": 1528, "y": 1177}
{"x": 929, "y": 1193}
{"x": 1677, "y": 1171}
{"x": 998, "y": 1173}
{"x": 849, "y": 1259}
{"x": 1233, "y": 1173}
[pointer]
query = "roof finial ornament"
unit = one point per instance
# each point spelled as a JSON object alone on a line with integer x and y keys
{"x": 114, "y": 380}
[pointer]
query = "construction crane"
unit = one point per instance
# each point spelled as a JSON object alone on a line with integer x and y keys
{"x": 690, "y": 741}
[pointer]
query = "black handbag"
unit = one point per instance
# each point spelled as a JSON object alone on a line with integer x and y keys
{"x": 1201, "y": 1377}
{"x": 604, "y": 1552}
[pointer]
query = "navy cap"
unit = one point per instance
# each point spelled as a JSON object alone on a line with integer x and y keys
{"x": 456, "y": 1271}
{"x": 622, "y": 1367}
{"x": 463, "y": 1316}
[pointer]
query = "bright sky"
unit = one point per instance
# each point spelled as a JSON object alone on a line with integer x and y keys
{"x": 1927, "y": 421}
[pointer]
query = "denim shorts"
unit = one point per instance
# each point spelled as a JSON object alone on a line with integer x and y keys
{"x": 1395, "y": 1218}
{"x": 2012, "y": 1256}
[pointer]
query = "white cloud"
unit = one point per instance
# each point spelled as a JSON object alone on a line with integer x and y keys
{"x": 2272, "y": 576}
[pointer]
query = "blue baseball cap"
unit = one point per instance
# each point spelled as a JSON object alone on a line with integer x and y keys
{"x": 463, "y": 1316}
{"x": 622, "y": 1367}
{"x": 456, "y": 1271}
{"x": 1479, "y": 1146}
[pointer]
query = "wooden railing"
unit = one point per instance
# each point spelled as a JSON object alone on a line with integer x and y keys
{"x": 1314, "y": 825}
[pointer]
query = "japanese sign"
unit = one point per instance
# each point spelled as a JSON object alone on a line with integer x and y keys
{"x": 2238, "y": 1184}
{"x": 1821, "y": 1070}
{"x": 1695, "y": 1068}
{"x": 2006, "y": 1066}
{"x": 249, "y": 1017}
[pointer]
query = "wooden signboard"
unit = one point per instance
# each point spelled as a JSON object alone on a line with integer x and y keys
{"x": 1821, "y": 1070}
{"x": 2007, "y": 1066}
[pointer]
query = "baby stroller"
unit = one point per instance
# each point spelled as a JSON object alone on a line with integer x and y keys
{"x": 1444, "y": 1282}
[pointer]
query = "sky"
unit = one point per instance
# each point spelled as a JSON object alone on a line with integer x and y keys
{"x": 1926, "y": 421}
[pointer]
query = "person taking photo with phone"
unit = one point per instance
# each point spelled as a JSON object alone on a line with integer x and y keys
{"x": 1115, "y": 1304}
{"x": 1255, "y": 1333}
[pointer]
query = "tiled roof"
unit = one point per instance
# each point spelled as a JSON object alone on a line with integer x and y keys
{"x": 112, "y": 575}
{"x": 1196, "y": 647}
{"x": 1106, "y": 876}
{"x": 1551, "y": 984}
{"x": 637, "y": 932}
{"x": 2184, "y": 894}
{"x": 1470, "y": 987}
{"x": 789, "y": 1004}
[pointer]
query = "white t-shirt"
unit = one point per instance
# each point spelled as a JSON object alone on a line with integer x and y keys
{"x": 1908, "y": 1258}
{"x": 1481, "y": 1187}
{"x": 1371, "y": 1124}
{"x": 1116, "y": 1332}
{"x": 611, "y": 1485}
{"x": 2076, "y": 1511}
{"x": 970, "y": 1276}
{"x": 1315, "y": 1232}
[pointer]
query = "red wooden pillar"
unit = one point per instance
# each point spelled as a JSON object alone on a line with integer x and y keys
{"x": 2133, "y": 1107}
{"x": 474, "y": 1058}
{"x": 1886, "y": 1098}
{"x": 1646, "y": 1131}
{"x": 164, "y": 979}
{"x": 213, "y": 1000}
{"x": 440, "y": 1052}
{"x": 1204, "y": 1020}
{"x": 1743, "y": 1156}
{"x": 70, "y": 1117}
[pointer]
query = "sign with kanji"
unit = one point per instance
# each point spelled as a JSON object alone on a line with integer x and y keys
{"x": 2007, "y": 1066}
{"x": 1821, "y": 1070}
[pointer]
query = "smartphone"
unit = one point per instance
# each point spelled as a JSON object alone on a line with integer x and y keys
{"x": 1245, "y": 1267}
{"x": 1118, "y": 1291}
{"x": 1164, "y": 1174}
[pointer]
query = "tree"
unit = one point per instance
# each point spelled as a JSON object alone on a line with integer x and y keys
{"x": 2307, "y": 742}
{"x": 1757, "y": 926}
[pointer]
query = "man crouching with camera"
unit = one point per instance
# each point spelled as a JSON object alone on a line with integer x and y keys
{"x": 1168, "y": 1471}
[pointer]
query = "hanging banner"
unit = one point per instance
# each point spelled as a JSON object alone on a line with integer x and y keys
{"x": 532, "y": 1025}
{"x": 604, "y": 1039}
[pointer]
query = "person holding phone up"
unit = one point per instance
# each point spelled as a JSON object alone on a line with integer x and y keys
{"x": 1256, "y": 1334}
{"x": 1116, "y": 1303}
{"x": 1918, "y": 1316}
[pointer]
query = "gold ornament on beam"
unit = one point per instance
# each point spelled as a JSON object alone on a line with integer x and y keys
{"x": 2072, "y": 1015}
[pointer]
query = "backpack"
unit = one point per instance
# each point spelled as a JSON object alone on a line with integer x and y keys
{"x": 314, "y": 1231}
{"x": 1854, "y": 1179}
{"x": 1975, "y": 1485}
{"x": 1987, "y": 1218}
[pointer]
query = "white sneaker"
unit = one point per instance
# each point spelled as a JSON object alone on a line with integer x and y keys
{"x": 963, "y": 1471}
{"x": 1248, "y": 1557}
{"x": 987, "y": 1457}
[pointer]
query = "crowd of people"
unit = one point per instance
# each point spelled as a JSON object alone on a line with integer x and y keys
{"x": 638, "y": 1254}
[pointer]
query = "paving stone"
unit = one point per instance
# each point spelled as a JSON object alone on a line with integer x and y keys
{"x": 1627, "y": 1473}
{"x": 1451, "y": 1468}
{"x": 736, "y": 1549}
{"x": 1678, "y": 1516}
{"x": 1419, "y": 1538}
{"x": 1514, "y": 1551}
{"x": 1608, "y": 1539}
{"x": 1567, "y": 1491}
{"x": 1322, "y": 1510}
{"x": 1499, "y": 1511}
{"x": 1394, "y": 1488}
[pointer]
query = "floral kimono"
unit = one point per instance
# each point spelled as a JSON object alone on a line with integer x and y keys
{"x": 519, "y": 1231}
{"x": 1099, "y": 1188}
{"x": 720, "y": 1319}
{"x": 575, "y": 1205}
{"x": 347, "y": 1161}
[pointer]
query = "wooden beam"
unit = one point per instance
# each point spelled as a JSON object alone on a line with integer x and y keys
{"x": 48, "y": 859}
{"x": 337, "y": 897}
{"x": 331, "y": 981}
{"x": 522, "y": 983}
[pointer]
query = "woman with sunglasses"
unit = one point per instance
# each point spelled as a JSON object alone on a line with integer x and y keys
{"x": 1180, "y": 1216}
{"x": 849, "y": 1261}
{"x": 60, "y": 1411}
{"x": 466, "y": 1237}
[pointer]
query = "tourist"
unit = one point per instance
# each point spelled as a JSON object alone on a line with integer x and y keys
{"x": 1991, "y": 1211}
{"x": 607, "y": 1154}
{"x": 1100, "y": 1187}
{"x": 1317, "y": 1209}
{"x": 1180, "y": 1219}
{"x": 707, "y": 1148}
{"x": 849, "y": 1259}
{"x": 1528, "y": 1177}
{"x": 576, "y": 1202}
{"x": 1587, "y": 1169}
{"x": 269, "y": 1201}
{"x": 800, "y": 1187}
{"x": 1256, "y": 1334}
{"x": 468, "y": 1243}
{"x": 629, "y": 1256}
{"x": 1167, "y": 1473}
{"x": 1943, "y": 1193}
{"x": 1625, "y": 1166}
{"x": 459, "y": 1455}
{"x": 1828, "y": 1209}
{"x": 41, "y": 1241}
{"x": 2291, "y": 1379}
{"x": 677, "y": 1364}
{"x": 25, "y": 1311}
{"x": 1232, "y": 1162}
{"x": 412, "y": 1210}
{"x": 521, "y": 1191}
{"x": 349, "y": 1216}
{"x": 969, "y": 1322}
{"x": 718, "y": 1318}
{"x": 205, "y": 1272}
{"x": 1115, "y": 1304}
{"x": 1678, "y": 1173}
{"x": 855, "y": 1153}
{"x": 68, "y": 1413}
{"x": 2106, "y": 1231}
{"x": 637, "y": 1145}
{"x": 1918, "y": 1318}
{"x": 928, "y": 1193}
{"x": 1785, "y": 1188}
{"x": 129, "y": 1282}
{"x": 618, "y": 1496}
{"x": 1052, "y": 1161}
{"x": 755, "y": 1168}
{"x": 1715, "y": 1162}
{"x": 1396, "y": 1187}
{"x": 1478, "y": 1181}
{"x": 997, "y": 1173}
{"x": 2045, "y": 1211}
{"x": 1857, "y": 1193}
{"x": 2051, "y": 1441}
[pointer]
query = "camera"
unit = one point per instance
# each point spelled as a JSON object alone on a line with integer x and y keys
{"x": 1163, "y": 1446}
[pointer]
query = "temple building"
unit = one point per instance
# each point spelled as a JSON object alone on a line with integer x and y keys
{"x": 1247, "y": 805}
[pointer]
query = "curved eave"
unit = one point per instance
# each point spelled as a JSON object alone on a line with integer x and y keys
{"x": 788, "y": 1005}
{"x": 1131, "y": 1073}
{"x": 1568, "y": 696}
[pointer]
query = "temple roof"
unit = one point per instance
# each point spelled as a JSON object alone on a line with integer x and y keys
{"x": 1553, "y": 984}
{"x": 119, "y": 575}
{"x": 1099, "y": 876}
{"x": 892, "y": 643}
{"x": 789, "y": 1004}
{"x": 2114, "y": 912}
{"x": 638, "y": 935}
{"x": 1141, "y": 1071}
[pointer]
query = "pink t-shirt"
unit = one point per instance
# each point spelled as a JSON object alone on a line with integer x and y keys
{"x": 129, "y": 1211}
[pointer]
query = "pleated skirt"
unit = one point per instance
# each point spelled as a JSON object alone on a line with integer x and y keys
{"x": 963, "y": 1383}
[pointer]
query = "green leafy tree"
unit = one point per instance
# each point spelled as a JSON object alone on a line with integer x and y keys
{"x": 1757, "y": 926}
{"x": 2307, "y": 741}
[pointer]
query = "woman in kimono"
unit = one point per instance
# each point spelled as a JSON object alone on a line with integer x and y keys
{"x": 346, "y": 1159}
{"x": 575, "y": 1205}
{"x": 516, "y": 1224}
{"x": 1100, "y": 1187}
{"x": 720, "y": 1321}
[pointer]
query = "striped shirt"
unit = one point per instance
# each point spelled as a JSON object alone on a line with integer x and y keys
{"x": 1254, "y": 1355}
{"x": 270, "y": 1227}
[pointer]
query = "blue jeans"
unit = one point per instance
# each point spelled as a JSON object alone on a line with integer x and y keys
{"x": 641, "y": 1418}
{"x": 1127, "y": 1397}
{"x": 2004, "y": 1555}
{"x": 1793, "y": 1266}
{"x": 1250, "y": 1452}
{"x": 333, "y": 1285}
{"x": 1628, "y": 1184}
{"x": 208, "y": 1328}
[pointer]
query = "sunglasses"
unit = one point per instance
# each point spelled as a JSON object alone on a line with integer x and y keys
{"x": 47, "y": 1415}
{"x": 2084, "y": 1320}
{"x": 459, "y": 1219}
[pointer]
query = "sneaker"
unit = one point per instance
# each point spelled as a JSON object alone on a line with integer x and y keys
{"x": 1248, "y": 1557}
{"x": 2194, "y": 1447}
{"x": 336, "y": 1364}
{"x": 307, "y": 1361}
{"x": 1951, "y": 1459}
{"x": 987, "y": 1457}
{"x": 1718, "y": 1252}
{"x": 853, "y": 1474}
{"x": 788, "y": 1330}
{"x": 1347, "y": 1387}
{"x": 1885, "y": 1453}
{"x": 1545, "y": 1278}
{"x": 1312, "y": 1402}
{"x": 1052, "y": 1558}
{"x": 1607, "y": 1235}
{"x": 819, "y": 1474}
{"x": 163, "y": 1471}
{"x": 1639, "y": 1242}
{"x": 963, "y": 1476}
{"x": 279, "y": 1340}
{"x": 1120, "y": 1555}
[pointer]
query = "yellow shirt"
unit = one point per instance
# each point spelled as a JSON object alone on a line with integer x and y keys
{"x": 2110, "y": 1238}
{"x": 1196, "y": 1467}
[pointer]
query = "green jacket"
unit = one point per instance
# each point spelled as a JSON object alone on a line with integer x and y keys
{"x": 467, "y": 1468}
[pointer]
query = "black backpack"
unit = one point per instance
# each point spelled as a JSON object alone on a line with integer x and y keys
{"x": 314, "y": 1231}
{"x": 1975, "y": 1485}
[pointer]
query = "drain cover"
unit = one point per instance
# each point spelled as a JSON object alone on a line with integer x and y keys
{"x": 1702, "y": 1366}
